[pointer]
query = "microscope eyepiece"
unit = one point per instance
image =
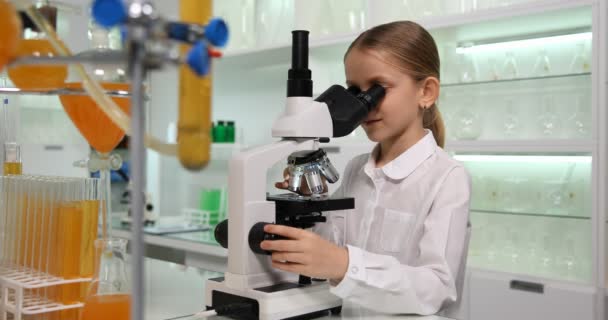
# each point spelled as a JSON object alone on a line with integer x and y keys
{"x": 348, "y": 107}
{"x": 299, "y": 82}
{"x": 372, "y": 97}
{"x": 354, "y": 90}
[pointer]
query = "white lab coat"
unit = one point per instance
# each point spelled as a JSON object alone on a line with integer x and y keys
{"x": 406, "y": 235}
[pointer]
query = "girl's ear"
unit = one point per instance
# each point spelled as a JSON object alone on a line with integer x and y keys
{"x": 429, "y": 92}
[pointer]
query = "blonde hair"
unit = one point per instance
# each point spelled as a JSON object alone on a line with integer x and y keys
{"x": 415, "y": 52}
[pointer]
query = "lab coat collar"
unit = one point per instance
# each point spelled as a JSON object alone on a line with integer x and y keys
{"x": 402, "y": 166}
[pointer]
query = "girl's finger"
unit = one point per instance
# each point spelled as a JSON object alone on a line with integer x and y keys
{"x": 281, "y": 245}
{"x": 287, "y": 232}
{"x": 292, "y": 257}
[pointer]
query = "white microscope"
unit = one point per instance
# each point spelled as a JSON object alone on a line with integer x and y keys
{"x": 305, "y": 124}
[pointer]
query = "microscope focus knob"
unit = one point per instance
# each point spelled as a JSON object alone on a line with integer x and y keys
{"x": 221, "y": 233}
{"x": 108, "y": 13}
{"x": 257, "y": 235}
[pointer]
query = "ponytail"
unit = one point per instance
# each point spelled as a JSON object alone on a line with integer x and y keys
{"x": 433, "y": 121}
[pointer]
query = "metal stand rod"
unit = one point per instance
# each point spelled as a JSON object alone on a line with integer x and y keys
{"x": 138, "y": 165}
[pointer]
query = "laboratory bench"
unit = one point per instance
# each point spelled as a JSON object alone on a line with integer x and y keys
{"x": 174, "y": 290}
{"x": 194, "y": 249}
{"x": 177, "y": 266}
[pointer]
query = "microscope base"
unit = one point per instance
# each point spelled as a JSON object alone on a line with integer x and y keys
{"x": 281, "y": 301}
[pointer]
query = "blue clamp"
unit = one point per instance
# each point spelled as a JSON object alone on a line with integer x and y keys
{"x": 198, "y": 58}
{"x": 216, "y": 32}
{"x": 108, "y": 13}
{"x": 179, "y": 31}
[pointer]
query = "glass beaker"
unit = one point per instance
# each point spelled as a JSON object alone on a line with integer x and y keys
{"x": 240, "y": 18}
{"x": 468, "y": 122}
{"x": 348, "y": 16}
{"x": 542, "y": 66}
{"x": 466, "y": 63}
{"x": 272, "y": 19}
{"x": 549, "y": 124}
{"x": 34, "y": 43}
{"x": 109, "y": 293}
{"x": 493, "y": 73}
{"x": 580, "y": 61}
{"x": 580, "y": 120}
{"x": 511, "y": 124}
{"x": 509, "y": 70}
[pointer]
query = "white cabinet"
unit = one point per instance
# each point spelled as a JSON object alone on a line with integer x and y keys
{"x": 505, "y": 297}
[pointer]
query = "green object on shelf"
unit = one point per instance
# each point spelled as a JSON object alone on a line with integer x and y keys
{"x": 220, "y": 132}
{"x": 230, "y": 132}
{"x": 210, "y": 201}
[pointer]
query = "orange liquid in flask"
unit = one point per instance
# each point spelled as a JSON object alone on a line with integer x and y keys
{"x": 101, "y": 133}
{"x": 31, "y": 77}
{"x": 10, "y": 24}
{"x": 103, "y": 307}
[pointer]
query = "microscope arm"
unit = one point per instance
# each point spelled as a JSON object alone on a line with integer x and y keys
{"x": 248, "y": 206}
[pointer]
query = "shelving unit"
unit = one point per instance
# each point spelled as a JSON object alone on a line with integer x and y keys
{"x": 524, "y": 20}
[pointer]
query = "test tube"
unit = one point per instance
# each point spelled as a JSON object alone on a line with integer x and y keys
{"x": 3, "y": 237}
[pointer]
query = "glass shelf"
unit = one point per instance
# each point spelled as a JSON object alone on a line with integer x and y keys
{"x": 530, "y": 214}
{"x": 563, "y": 146}
{"x": 57, "y": 92}
{"x": 519, "y": 80}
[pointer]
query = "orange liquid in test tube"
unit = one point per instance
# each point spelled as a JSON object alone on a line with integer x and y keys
{"x": 70, "y": 230}
{"x": 31, "y": 77}
{"x": 90, "y": 219}
{"x": 101, "y": 133}
{"x": 103, "y": 307}
{"x": 13, "y": 168}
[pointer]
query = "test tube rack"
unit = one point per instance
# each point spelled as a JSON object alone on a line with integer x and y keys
{"x": 17, "y": 299}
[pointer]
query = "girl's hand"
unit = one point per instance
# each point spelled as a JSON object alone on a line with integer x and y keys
{"x": 306, "y": 253}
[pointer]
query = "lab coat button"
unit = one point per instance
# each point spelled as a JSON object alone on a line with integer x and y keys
{"x": 354, "y": 269}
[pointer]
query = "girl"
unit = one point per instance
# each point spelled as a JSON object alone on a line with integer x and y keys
{"x": 401, "y": 250}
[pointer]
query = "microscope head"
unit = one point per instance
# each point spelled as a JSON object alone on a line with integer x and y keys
{"x": 335, "y": 113}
